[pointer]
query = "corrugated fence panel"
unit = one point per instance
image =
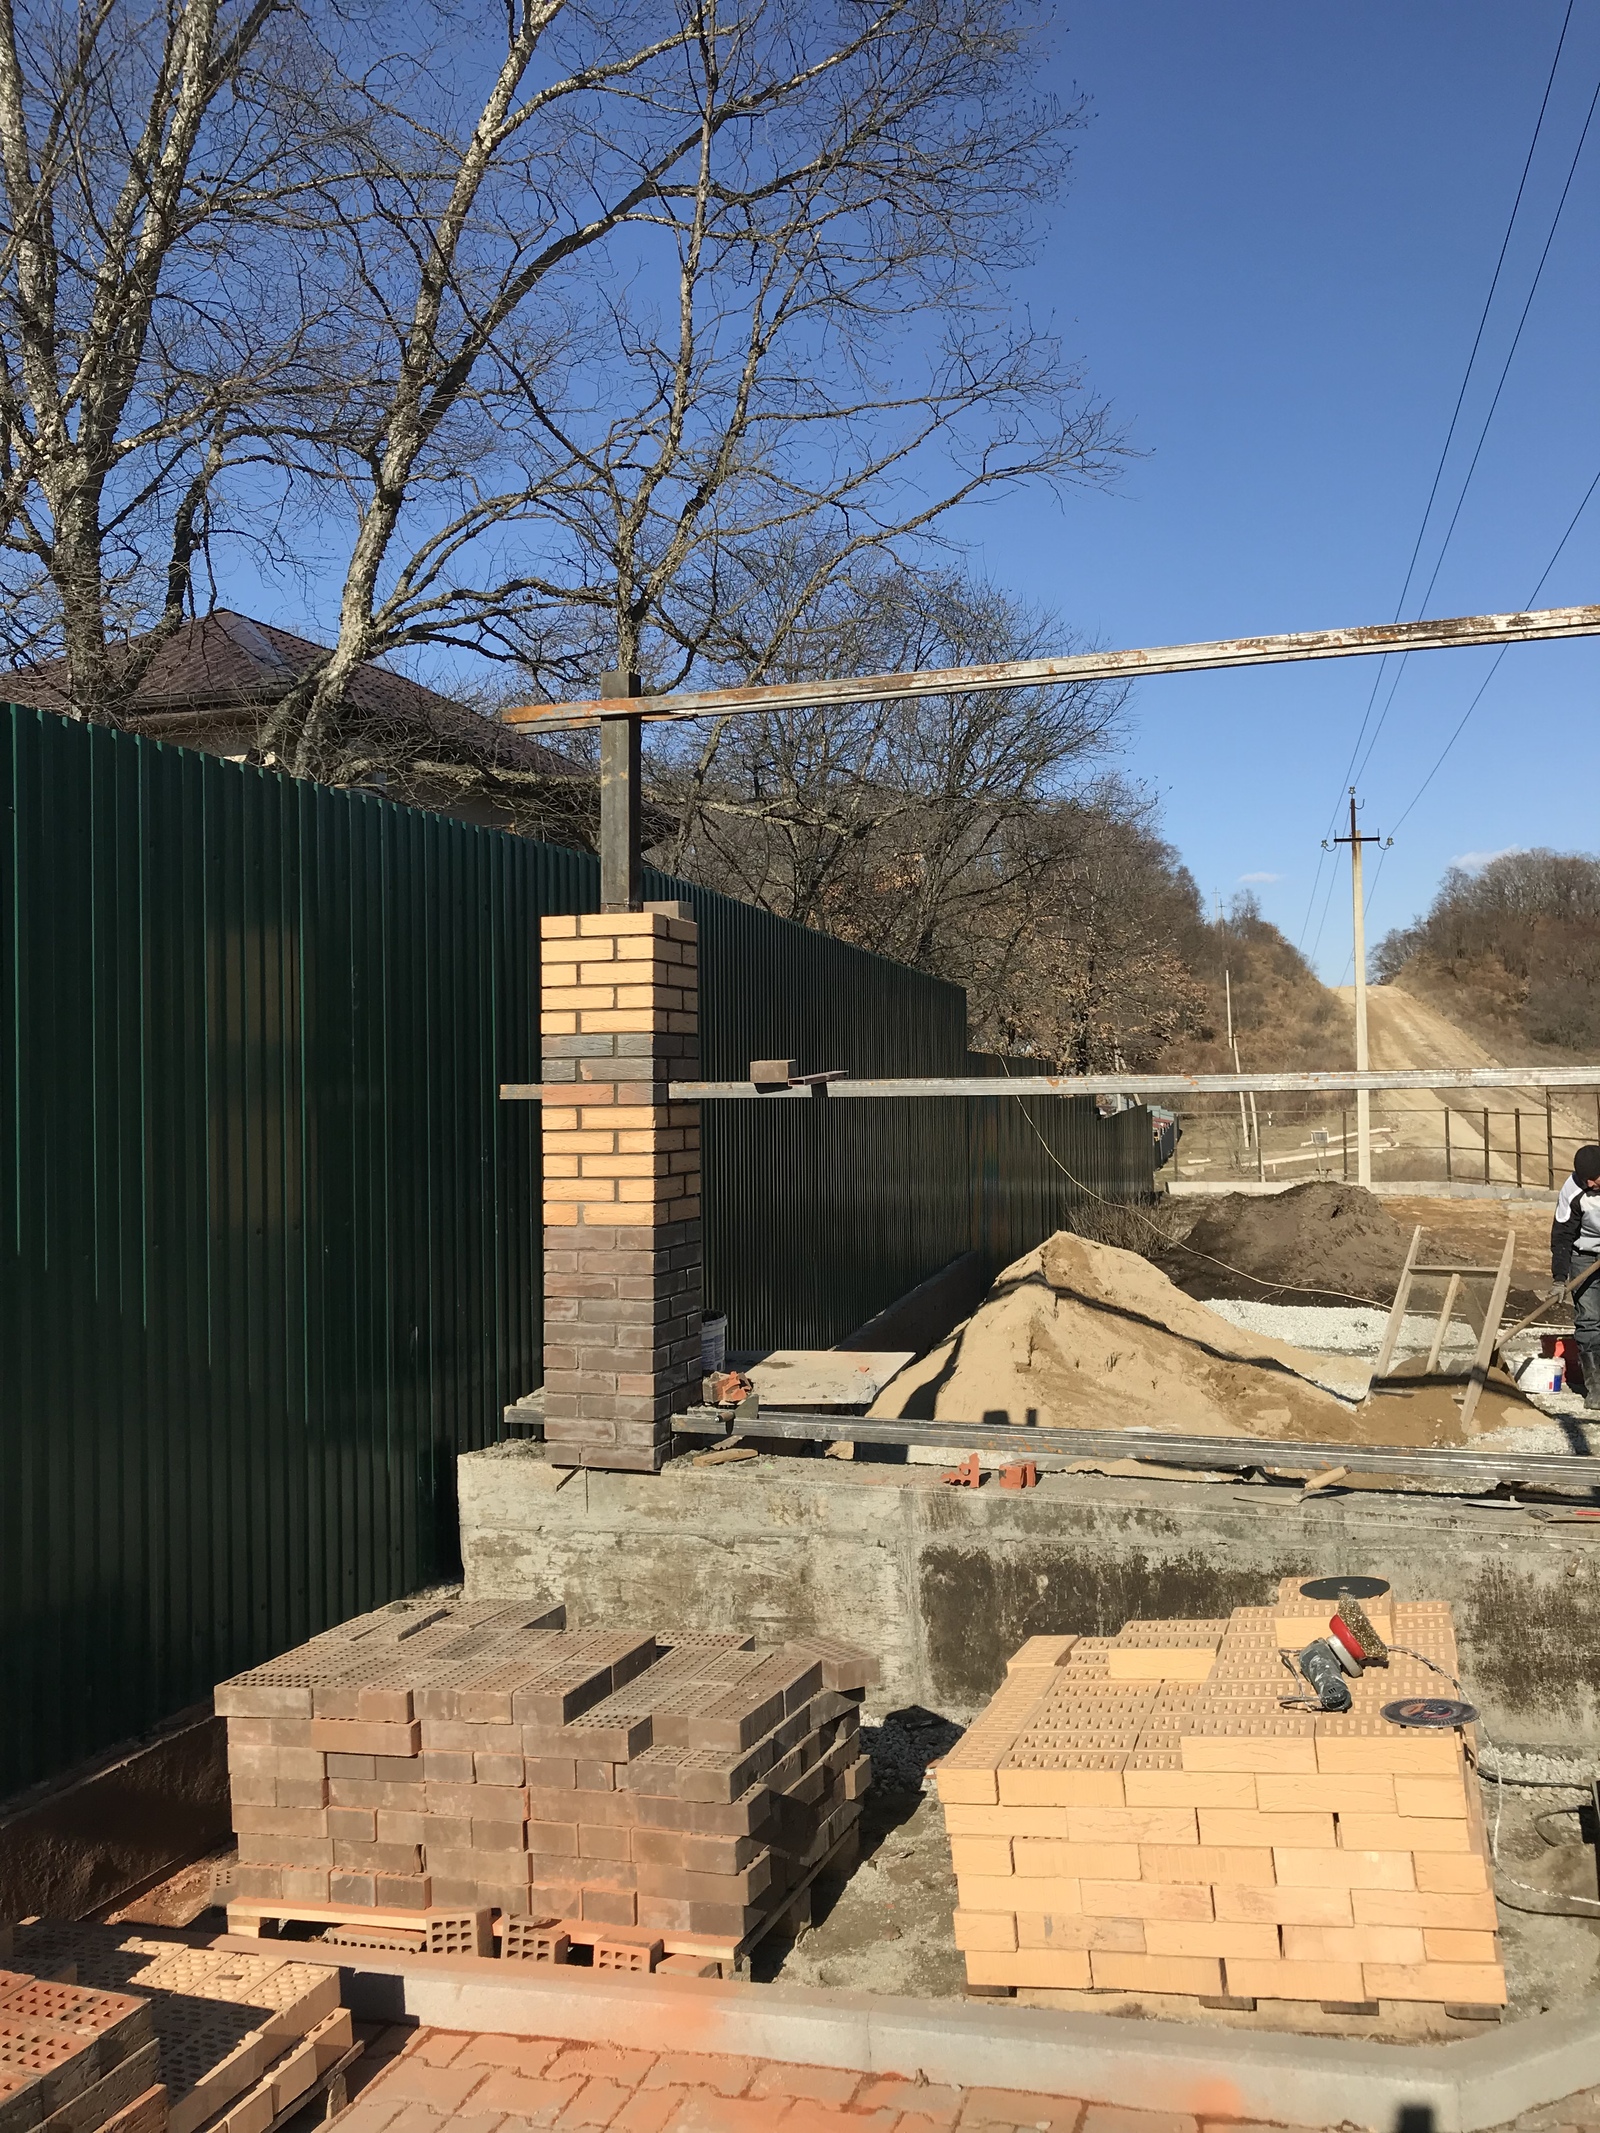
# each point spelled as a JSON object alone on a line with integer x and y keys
{"x": 271, "y": 1243}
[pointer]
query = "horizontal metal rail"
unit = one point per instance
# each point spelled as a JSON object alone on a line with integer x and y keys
{"x": 1052, "y": 1449}
{"x": 1332, "y": 1082}
{"x": 1459, "y": 631}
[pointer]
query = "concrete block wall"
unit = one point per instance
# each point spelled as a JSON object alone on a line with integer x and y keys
{"x": 619, "y": 1016}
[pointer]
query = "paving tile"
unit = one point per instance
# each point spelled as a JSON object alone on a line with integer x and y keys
{"x": 924, "y": 2100}
{"x": 648, "y": 2111}
{"x": 528, "y": 2096}
{"x": 372, "y": 2113}
{"x": 705, "y": 2111}
{"x": 439, "y": 2046}
{"x": 418, "y": 2118}
{"x": 1107, "y": 2118}
{"x": 807, "y": 2114}
{"x": 596, "y": 2104}
{"x": 825, "y": 2084}
{"x": 1019, "y": 2107}
{"x": 602, "y": 2062}
{"x": 442, "y": 2088}
{"x": 705, "y": 2070}
{"x": 524, "y": 2055}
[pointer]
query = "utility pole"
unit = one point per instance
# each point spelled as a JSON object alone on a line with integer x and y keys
{"x": 1363, "y": 1096}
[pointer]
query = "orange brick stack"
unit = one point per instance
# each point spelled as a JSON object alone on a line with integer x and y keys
{"x": 73, "y": 2060}
{"x": 1139, "y": 1814}
{"x": 620, "y": 1020}
{"x": 484, "y": 1759}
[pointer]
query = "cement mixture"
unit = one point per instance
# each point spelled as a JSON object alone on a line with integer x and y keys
{"x": 1083, "y": 1335}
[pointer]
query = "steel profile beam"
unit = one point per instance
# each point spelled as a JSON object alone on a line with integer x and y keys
{"x": 1460, "y": 632}
{"x": 1333, "y": 1081}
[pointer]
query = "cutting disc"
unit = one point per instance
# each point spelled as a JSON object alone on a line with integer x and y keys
{"x": 1358, "y": 1588}
{"x": 1431, "y": 1712}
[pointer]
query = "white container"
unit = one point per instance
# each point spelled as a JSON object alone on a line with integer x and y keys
{"x": 713, "y": 1344}
{"x": 1542, "y": 1373}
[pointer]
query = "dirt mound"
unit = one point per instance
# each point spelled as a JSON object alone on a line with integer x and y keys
{"x": 1079, "y": 1335}
{"x": 1318, "y": 1243}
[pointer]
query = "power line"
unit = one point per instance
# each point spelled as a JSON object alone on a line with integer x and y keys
{"x": 1488, "y": 418}
{"x": 1444, "y": 454}
{"x": 1494, "y": 669}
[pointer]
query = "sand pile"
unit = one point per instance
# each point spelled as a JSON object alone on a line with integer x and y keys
{"x": 1078, "y": 1335}
{"x": 1316, "y": 1243}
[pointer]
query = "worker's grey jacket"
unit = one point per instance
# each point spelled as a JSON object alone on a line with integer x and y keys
{"x": 1576, "y": 1228}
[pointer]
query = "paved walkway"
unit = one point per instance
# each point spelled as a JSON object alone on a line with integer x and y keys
{"x": 437, "y": 2081}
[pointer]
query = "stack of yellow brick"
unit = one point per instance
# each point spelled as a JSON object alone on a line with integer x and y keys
{"x": 1139, "y": 1814}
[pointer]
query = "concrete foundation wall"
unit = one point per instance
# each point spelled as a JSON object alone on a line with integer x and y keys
{"x": 945, "y": 1583}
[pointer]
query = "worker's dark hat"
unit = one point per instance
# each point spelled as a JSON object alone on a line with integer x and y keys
{"x": 1586, "y": 1164}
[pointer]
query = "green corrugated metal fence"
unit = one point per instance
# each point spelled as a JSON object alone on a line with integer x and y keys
{"x": 271, "y": 1243}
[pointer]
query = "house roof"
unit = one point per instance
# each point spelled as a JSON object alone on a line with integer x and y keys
{"x": 225, "y": 661}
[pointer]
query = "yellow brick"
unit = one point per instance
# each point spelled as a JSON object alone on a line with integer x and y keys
{"x": 554, "y": 1121}
{"x": 1072, "y": 1929}
{"x": 1403, "y": 1833}
{"x": 562, "y": 1023}
{"x": 1060, "y": 1788}
{"x": 1474, "y": 1913}
{"x": 1191, "y": 1788}
{"x": 1134, "y": 1663}
{"x": 1352, "y": 1944}
{"x": 974, "y": 1788}
{"x": 642, "y": 996}
{"x": 585, "y": 1143}
{"x": 1131, "y": 1825}
{"x": 620, "y": 1022}
{"x": 1443, "y": 1797}
{"x": 1227, "y": 1825}
{"x": 1206, "y": 1862}
{"x": 1393, "y": 1755}
{"x": 1157, "y": 1973}
{"x": 572, "y": 1189}
{"x": 981, "y": 1855}
{"x": 1452, "y": 1873}
{"x": 1458, "y": 1984}
{"x": 1041, "y": 1651}
{"x": 553, "y": 996}
{"x": 1343, "y": 1870}
{"x": 556, "y": 973}
{"x": 1044, "y": 1969}
{"x": 1171, "y": 1936}
{"x": 1443, "y": 1944}
{"x": 560, "y": 1166}
{"x": 1335, "y": 1795}
{"x": 1145, "y": 1899}
{"x": 1034, "y": 1856}
{"x": 1262, "y": 1753}
{"x": 963, "y": 1820}
{"x": 1283, "y": 1906}
{"x": 643, "y": 1216}
{"x": 1295, "y": 1981}
{"x": 604, "y": 925}
{"x": 647, "y": 1142}
{"x": 558, "y": 1217}
{"x": 610, "y": 1165}
{"x": 985, "y": 1892}
{"x": 992, "y": 1932}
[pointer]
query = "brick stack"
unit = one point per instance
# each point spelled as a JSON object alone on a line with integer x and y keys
{"x": 489, "y": 1761}
{"x": 1140, "y": 1814}
{"x": 215, "y": 2042}
{"x": 73, "y": 2060}
{"x": 620, "y": 1020}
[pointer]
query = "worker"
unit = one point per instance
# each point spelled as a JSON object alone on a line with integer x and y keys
{"x": 1574, "y": 1252}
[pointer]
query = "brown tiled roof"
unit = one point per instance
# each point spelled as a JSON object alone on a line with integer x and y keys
{"x": 224, "y": 662}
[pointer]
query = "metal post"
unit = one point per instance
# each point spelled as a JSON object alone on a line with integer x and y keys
{"x": 1549, "y": 1141}
{"x": 1448, "y": 1174}
{"x": 1486, "y": 1144}
{"x": 1344, "y": 1139}
{"x": 1518, "y": 1117}
{"x": 1363, "y": 1096}
{"x": 619, "y": 799}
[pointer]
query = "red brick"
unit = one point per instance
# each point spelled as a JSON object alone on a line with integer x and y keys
{"x": 648, "y": 2111}
{"x": 602, "y": 2062}
{"x": 443, "y": 2088}
{"x": 525, "y": 2095}
{"x": 524, "y": 2055}
{"x": 439, "y": 2046}
{"x": 596, "y": 2104}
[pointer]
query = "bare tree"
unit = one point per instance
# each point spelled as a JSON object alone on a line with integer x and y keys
{"x": 151, "y": 319}
{"x": 680, "y": 281}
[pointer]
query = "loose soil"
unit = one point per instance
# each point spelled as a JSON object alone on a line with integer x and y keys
{"x": 1315, "y": 1244}
{"x": 1080, "y": 1335}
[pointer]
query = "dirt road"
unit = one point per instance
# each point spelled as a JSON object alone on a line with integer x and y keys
{"x": 1404, "y": 1031}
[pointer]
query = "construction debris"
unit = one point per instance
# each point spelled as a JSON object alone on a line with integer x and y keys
{"x": 1166, "y": 1811}
{"x": 436, "y": 1768}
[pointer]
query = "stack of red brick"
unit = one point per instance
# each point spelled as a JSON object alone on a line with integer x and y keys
{"x": 73, "y": 2060}
{"x": 487, "y": 1759}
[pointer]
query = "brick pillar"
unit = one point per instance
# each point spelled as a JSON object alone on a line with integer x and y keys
{"x": 621, "y": 1185}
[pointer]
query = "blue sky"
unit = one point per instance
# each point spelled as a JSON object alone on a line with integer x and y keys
{"x": 1274, "y": 255}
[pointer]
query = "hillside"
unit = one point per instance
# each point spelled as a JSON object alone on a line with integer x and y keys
{"x": 1283, "y": 1017}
